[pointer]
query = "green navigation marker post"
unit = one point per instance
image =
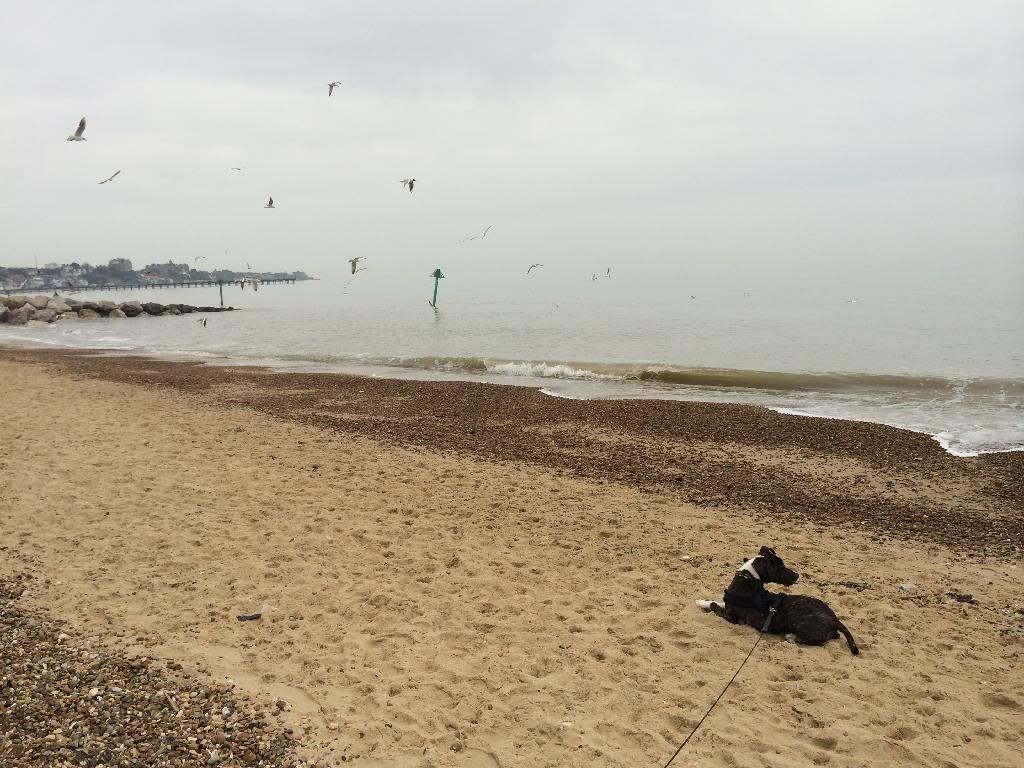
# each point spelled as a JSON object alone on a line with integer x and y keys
{"x": 220, "y": 285}
{"x": 437, "y": 274}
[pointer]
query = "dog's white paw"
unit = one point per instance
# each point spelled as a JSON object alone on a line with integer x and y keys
{"x": 705, "y": 604}
{"x": 790, "y": 637}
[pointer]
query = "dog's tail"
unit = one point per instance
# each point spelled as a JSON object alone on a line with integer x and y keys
{"x": 849, "y": 637}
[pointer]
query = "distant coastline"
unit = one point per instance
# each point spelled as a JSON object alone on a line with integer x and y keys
{"x": 120, "y": 273}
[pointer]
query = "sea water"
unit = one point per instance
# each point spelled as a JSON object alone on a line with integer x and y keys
{"x": 949, "y": 366}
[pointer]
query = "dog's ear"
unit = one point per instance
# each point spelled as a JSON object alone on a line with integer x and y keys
{"x": 767, "y": 552}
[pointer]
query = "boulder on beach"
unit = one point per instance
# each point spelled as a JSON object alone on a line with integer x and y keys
{"x": 152, "y": 308}
{"x": 58, "y": 305}
{"x": 132, "y": 308}
{"x": 171, "y": 309}
{"x": 85, "y": 312}
{"x": 45, "y": 316}
{"x": 39, "y": 302}
{"x": 3, "y": 313}
{"x": 14, "y": 302}
{"x": 21, "y": 315}
{"x": 185, "y": 308}
{"x": 116, "y": 312}
{"x": 106, "y": 306}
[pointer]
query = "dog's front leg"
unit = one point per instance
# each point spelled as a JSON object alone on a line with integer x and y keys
{"x": 725, "y": 613}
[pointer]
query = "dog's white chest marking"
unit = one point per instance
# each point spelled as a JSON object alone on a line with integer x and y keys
{"x": 748, "y": 567}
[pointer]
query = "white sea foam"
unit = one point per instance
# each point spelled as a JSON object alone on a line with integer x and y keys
{"x": 974, "y": 442}
{"x": 562, "y": 395}
{"x": 545, "y": 371}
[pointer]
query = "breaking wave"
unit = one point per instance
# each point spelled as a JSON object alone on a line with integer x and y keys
{"x": 726, "y": 378}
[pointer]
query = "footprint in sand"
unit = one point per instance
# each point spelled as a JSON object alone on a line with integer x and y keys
{"x": 825, "y": 742}
{"x": 1000, "y": 700}
{"x": 479, "y": 758}
{"x": 903, "y": 733}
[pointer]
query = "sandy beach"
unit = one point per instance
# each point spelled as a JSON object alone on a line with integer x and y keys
{"x": 470, "y": 575}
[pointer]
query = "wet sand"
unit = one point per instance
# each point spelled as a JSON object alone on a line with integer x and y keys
{"x": 472, "y": 575}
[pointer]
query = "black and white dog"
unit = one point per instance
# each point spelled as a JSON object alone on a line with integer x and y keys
{"x": 808, "y": 619}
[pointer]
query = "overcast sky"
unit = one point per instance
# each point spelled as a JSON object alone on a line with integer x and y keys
{"x": 687, "y": 145}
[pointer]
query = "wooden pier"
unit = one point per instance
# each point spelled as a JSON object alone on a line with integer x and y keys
{"x": 142, "y": 286}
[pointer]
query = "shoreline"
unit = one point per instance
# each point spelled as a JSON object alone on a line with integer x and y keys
{"x": 981, "y": 426}
{"x": 713, "y": 454}
{"x": 467, "y": 576}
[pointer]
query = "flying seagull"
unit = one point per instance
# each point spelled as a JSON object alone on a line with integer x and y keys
{"x": 477, "y": 237}
{"x": 332, "y": 86}
{"x": 270, "y": 203}
{"x": 608, "y": 272}
{"x": 248, "y": 266}
{"x": 408, "y": 183}
{"x": 532, "y": 267}
{"x": 355, "y": 263}
{"x": 237, "y": 167}
{"x": 110, "y": 178}
{"x": 77, "y": 135}
{"x": 197, "y": 258}
{"x": 202, "y": 321}
{"x": 594, "y": 277}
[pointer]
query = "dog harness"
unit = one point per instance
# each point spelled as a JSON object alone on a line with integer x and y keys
{"x": 771, "y": 612}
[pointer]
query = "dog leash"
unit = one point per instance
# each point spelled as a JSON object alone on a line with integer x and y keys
{"x": 767, "y": 623}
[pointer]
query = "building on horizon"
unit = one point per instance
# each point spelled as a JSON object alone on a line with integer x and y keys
{"x": 168, "y": 271}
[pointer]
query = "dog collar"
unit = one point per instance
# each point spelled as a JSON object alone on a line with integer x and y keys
{"x": 748, "y": 567}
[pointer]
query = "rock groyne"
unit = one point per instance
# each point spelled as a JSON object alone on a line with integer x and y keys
{"x": 18, "y": 310}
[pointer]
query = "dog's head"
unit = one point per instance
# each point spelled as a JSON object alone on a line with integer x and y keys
{"x": 771, "y": 569}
